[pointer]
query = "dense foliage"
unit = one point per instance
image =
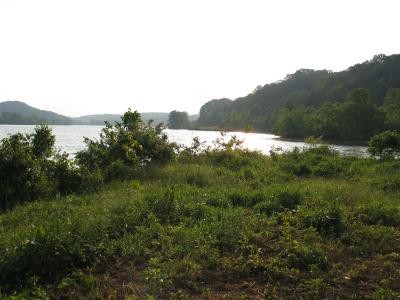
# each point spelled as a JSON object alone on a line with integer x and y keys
{"x": 313, "y": 92}
{"x": 355, "y": 119}
{"x": 20, "y": 113}
{"x": 385, "y": 145}
{"x": 201, "y": 222}
{"x": 31, "y": 168}
{"x": 215, "y": 224}
{"x": 17, "y": 112}
{"x": 18, "y": 119}
{"x": 178, "y": 120}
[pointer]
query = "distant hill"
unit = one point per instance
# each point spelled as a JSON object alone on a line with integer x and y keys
{"x": 17, "y": 112}
{"x": 306, "y": 87}
{"x": 99, "y": 119}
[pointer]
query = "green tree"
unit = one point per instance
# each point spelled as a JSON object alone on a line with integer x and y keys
{"x": 28, "y": 166}
{"x": 126, "y": 146}
{"x": 385, "y": 145}
{"x": 296, "y": 122}
{"x": 328, "y": 120}
{"x": 391, "y": 109}
{"x": 43, "y": 141}
{"x": 178, "y": 120}
{"x": 359, "y": 116}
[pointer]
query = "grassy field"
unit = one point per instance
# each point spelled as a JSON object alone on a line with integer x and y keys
{"x": 219, "y": 225}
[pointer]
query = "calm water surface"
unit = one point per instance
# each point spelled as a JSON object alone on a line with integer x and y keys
{"x": 70, "y": 138}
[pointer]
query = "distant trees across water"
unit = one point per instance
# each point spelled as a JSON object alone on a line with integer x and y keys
{"x": 19, "y": 119}
{"x": 358, "y": 118}
{"x": 352, "y": 104}
{"x": 178, "y": 120}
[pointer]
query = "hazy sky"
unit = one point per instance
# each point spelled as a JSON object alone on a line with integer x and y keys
{"x": 94, "y": 56}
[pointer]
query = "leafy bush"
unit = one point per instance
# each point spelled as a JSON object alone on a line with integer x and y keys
{"x": 366, "y": 240}
{"x": 30, "y": 168}
{"x": 246, "y": 198}
{"x": 380, "y": 215}
{"x": 327, "y": 220}
{"x": 384, "y": 294}
{"x": 385, "y": 145}
{"x": 164, "y": 205}
{"x": 279, "y": 199}
{"x": 131, "y": 144}
{"x": 303, "y": 256}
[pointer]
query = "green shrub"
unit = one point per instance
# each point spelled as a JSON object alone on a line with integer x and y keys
{"x": 245, "y": 198}
{"x": 279, "y": 199}
{"x": 367, "y": 240}
{"x": 384, "y": 294}
{"x": 31, "y": 169}
{"x": 230, "y": 159}
{"x": 380, "y": 215}
{"x": 327, "y": 220}
{"x": 303, "y": 256}
{"x": 131, "y": 143}
{"x": 164, "y": 205}
{"x": 117, "y": 170}
{"x": 385, "y": 145}
{"x": 329, "y": 167}
{"x": 198, "y": 176}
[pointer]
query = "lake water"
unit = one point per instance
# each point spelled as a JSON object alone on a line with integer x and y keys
{"x": 70, "y": 138}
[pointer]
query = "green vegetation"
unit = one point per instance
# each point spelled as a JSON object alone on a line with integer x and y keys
{"x": 204, "y": 223}
{"x": 16, "y": 112}
{"x": 157, "y": 117}
{"x": 31, "y": 168}
{"x": 178, "y": 120}
{"x": 385, "y": 145}
{"x": 352, "y": 104}
{"x": 355, "y": 119}
{"x": 20, "y": 113}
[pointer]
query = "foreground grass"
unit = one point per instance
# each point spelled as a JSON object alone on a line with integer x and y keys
{"x": 219, "y": 225}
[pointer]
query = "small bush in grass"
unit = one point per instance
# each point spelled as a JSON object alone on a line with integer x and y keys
{"x": 327, "y": 220}
{"x": 367, "y": 240}
{"x": 230, "y": 159}
{"x": 388, "y": 182}
{"x": 245, "y": 198}
{"x": 330, "y": 167}
{"x": 380, "y": 215}
{"x": 278, "y": 200}
{"x": 314, "y": 288}
{"x": 303, "y": 256}
{"x": 164, "y": 205}
{"x": 384, "y": 294}
{"x": 198, "y": 176}
{"x": 158, "y": 282}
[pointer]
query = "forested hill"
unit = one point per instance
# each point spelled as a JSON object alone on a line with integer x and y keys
{"x": 99, "y": 119}
{"x": 17, "y": 112}
{"x": 20, "y": 113}
{"x": 306, "y": 87}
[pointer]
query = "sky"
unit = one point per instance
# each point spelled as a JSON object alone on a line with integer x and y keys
{"x": 78, "y": 57}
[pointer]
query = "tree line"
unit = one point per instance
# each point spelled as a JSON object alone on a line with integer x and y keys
{"x": 357, "y": 118}
{"x": 310, "y": 93}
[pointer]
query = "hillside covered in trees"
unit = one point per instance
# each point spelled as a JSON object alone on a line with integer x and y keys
{"x": 294, "y": 106}
{"x": 20, "y": 113}
{"x": 17, "y": 112}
